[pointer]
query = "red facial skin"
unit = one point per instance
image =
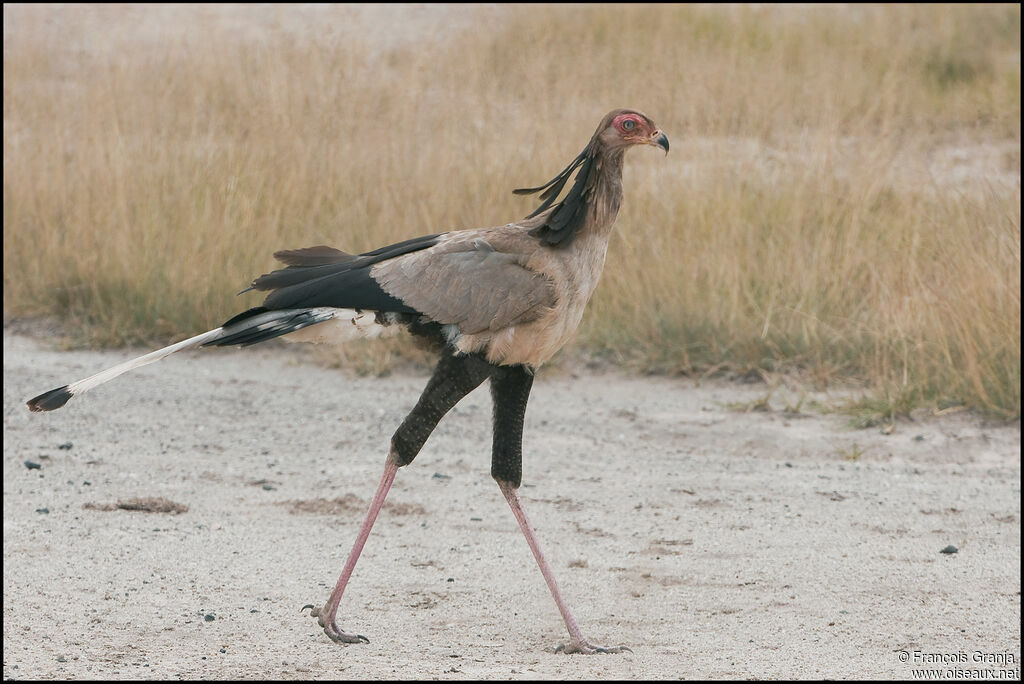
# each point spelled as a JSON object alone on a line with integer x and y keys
{"x": 641, "y": 127}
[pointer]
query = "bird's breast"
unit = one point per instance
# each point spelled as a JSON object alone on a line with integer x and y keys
{"x": 574, "y": 272}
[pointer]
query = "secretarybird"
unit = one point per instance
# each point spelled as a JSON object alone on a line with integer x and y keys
{"x": 496, "y": 302}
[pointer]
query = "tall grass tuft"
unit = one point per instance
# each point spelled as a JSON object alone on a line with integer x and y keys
{"x": 842, "y": 198}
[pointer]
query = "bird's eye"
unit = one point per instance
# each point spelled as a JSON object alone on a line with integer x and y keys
{"x": 628, "y": 124}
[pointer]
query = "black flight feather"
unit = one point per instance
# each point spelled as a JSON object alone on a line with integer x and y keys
{"x": 321, "y": 255}
{"x": 315, "y": 277}
{"x": 323, "y": 276}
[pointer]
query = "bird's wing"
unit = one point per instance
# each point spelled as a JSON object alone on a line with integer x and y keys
{"x": 466, "y": 281}
{"x": 326, "y": 277}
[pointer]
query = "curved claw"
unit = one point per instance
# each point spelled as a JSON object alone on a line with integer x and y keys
{"x": 586, "y": 649}
{"x": 345, "y": 638}
{"x": 331, "y": 629}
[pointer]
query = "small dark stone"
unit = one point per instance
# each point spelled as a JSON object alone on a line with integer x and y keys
{"x": 269, "y": 488}
{"x": 209, "y": 617}
{"x": 42, "y": 510}
{"x": 451, "y": 579}
{"x": 788, "y": 464}
{"x": 439, "y": 476}
{"x": 65, "y": 446}
{"x": 477, "y": 519}
{"x": 949, "y": 549}
{"x": 32, "y": 465}
{"x": 223, "y": 650}
{"x": 918, "y": 438}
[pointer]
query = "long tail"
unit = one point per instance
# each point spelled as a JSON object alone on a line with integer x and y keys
{"x": 255, "y": 325}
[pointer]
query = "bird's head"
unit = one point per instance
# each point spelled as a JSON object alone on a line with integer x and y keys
{"x": 619, "y": 129}
{"x": 623, "y": 128}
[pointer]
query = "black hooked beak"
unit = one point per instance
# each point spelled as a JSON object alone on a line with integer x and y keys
{"x": 659, "y": 139}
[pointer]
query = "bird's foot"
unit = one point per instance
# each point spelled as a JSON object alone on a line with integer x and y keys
{"x": 331, "y": 629}
{"x": 586, "y": 648}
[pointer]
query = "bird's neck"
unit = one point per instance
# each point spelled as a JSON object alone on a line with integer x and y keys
{"x": 591, "y": 205}
{"x": 606, "y": 194}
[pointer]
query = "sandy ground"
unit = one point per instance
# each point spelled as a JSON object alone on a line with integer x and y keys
{"x": 715, "y": 543}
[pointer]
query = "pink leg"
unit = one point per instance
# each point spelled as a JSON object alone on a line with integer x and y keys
{"x": 577, "y": 643}
{"x": 326, "y": 615}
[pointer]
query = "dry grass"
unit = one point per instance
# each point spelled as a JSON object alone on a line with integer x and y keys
{"x": 842, "y": 198}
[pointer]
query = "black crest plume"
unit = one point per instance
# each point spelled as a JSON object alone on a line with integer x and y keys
{"x": 569, "y": 214}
